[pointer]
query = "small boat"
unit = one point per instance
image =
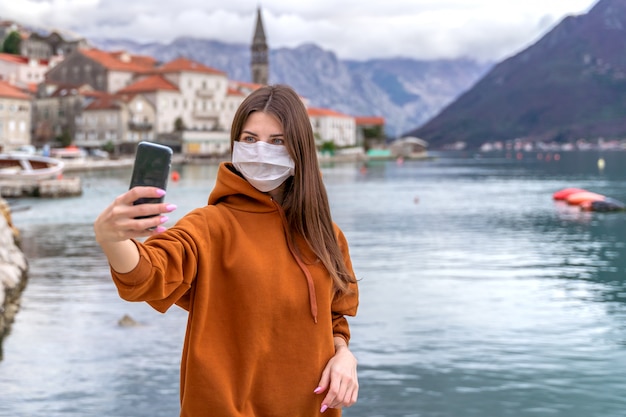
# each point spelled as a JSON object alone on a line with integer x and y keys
{"x": 29, "y": 167}
{"x": 70, "y": 153}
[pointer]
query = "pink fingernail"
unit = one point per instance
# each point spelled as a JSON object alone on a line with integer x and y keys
{"x": 324, "y": 408}
{"x": 317, "y": 390}
{"x": 160, "y": 192}
{"x": 160, "y": 229}
{"x": 163, "y": 219}
{"x": 171, "y": 207}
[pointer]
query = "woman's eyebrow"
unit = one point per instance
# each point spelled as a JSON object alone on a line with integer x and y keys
{"x": 273, "y": 135}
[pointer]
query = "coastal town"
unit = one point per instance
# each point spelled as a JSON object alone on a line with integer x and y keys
{"x": 62, "y": 98}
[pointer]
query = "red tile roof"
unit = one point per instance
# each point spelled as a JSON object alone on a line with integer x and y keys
{"x": 18, "y": 59}
{"x": 246, "y": 85}
{"x": 118, "y": 61}
{"x": 9, "y": 91}
{"x": 319, "y": 112}
{"x": 107, "y": 102}
{"x": 187, "y": 65}
{"x": 14, "y": 58}
{"x": 145, "y": 60}
{"x": 149, "y": 84}
{"x": 370, "y": 120}
{"x": 234, "y": 92}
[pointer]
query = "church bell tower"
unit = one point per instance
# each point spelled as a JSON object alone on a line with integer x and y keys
{"x": 259, "y": 63}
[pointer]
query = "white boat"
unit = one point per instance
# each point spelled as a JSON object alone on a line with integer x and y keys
{"x": 29, "y": 167}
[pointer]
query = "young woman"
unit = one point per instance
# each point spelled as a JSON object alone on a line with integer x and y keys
{"x": 262, "y": 270}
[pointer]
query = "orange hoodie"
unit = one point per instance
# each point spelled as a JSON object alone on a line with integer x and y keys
{"x": 261, "y": 318}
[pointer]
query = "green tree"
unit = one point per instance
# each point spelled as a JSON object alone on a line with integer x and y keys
{"x": 179, "y": 125}
{"x": 328, "y": 147}
{"x": 109, "y": 147}
{"x": 65, "y": 139}
{"x": 374, "y": 132}
{"x": 11, "y": 44}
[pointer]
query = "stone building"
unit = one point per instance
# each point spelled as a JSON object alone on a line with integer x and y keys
{"x": 22, "y": 71}
{"x": 36, "y": 46}
{"x": 15, "y": 117}
{"x": 200, "y": 111}
{"x": 182, "y": 103}
{"x": 331, "y": 126}
{"x": 55, "y": 110}
{"x": 370, "y": 131}
{"x": 119, "y": 121}
{"x": 72, "y": 85}
{"x": 104, "y": 71}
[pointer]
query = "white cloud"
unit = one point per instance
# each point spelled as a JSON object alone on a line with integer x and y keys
{"x": 426, "y": 29}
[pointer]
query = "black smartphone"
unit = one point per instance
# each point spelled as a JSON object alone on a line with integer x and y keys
{"x": 151, "y": 168}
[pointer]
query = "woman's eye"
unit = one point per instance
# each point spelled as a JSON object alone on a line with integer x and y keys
{"x": 248, "y": 139}
{"x": 278, "y": 141}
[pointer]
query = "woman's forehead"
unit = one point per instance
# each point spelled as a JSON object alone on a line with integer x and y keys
{"x": 263, "y": 122}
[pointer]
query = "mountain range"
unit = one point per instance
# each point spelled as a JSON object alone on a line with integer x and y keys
{"x": 406, "y": 92}
{"x": 569, "y": 85}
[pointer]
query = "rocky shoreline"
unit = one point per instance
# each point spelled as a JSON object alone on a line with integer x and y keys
{"x": 13, "y": 271}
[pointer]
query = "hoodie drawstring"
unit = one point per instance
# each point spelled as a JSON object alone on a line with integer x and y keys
{"x": 303, "y": 267}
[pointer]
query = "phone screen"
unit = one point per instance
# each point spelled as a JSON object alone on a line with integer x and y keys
{"x": 151, "y": 168}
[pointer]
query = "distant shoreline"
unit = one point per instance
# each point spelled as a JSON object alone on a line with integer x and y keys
{"x": 127, "y": 161}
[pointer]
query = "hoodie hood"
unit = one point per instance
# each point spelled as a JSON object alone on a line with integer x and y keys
{"x": 233, "y": 189}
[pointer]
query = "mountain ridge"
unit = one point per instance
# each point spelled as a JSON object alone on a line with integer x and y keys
{"x": 567, "y": 86}
{"x": 405, "y": 91}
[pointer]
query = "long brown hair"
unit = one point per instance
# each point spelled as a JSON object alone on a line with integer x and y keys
{"x": 305, "y": 200}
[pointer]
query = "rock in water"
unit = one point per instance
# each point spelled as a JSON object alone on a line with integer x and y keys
{"x": 127, "y": 321}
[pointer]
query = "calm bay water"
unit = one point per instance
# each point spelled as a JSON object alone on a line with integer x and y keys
{"x": 480, "y": 296}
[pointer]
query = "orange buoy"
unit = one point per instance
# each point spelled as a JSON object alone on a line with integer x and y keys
{"x": 175, "y": 176}
{"x": 565, "y": 192}
{"x": 578, "y": 198}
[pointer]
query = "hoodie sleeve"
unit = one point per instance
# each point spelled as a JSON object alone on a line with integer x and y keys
{"x": 345, "y": 304}
{"x": 166, "y": 269}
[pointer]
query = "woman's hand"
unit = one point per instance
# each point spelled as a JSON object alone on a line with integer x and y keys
{"x": 339, "y": 378}
{"x": 118, "y": 223}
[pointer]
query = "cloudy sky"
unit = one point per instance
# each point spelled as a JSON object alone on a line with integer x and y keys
{"x": 353, "y": 29}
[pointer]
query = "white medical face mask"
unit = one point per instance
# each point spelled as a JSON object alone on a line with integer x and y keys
{"x": 264, "y": 165}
